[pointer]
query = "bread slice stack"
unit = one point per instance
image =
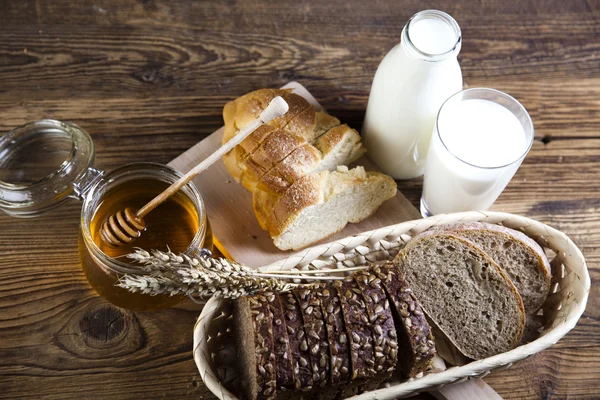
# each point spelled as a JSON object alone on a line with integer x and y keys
{"x": 477, "y": 282}
{"x": 342, "y": 338}
{"x": 295, "y": 165}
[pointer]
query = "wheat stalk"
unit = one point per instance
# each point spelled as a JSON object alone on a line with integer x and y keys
{"x": 179, "y": 274}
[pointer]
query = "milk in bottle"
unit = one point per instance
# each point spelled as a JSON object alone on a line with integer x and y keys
{"x": 410, "y": 85}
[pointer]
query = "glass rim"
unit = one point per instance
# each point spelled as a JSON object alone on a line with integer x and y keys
{"x": 115, "y": 264}
{"x": 440, "y": 15}
{"x": 501, "y": 94}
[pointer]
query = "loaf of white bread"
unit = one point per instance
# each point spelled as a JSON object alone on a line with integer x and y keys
{"x": 295, "y": 167}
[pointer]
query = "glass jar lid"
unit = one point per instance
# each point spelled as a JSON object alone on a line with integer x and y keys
{"x": 41, "y": 165}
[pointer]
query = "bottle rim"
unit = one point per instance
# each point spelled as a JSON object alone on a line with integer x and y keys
{"x": 415, "y": 52}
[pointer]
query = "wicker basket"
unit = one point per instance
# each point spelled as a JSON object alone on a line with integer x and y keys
{"x": 214, "y": 350}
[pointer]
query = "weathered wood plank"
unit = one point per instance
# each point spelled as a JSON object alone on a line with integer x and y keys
{"x": 152, "y": 76}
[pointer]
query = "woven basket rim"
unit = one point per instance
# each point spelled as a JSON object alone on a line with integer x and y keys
{"x": 452, "y": 374}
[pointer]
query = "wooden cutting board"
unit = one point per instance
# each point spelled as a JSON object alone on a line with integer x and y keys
{"x": 229, "y": 206}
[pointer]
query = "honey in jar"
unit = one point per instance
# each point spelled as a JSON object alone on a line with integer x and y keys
{"x": 45, "y": 163}
{"x": 179, "y": 224}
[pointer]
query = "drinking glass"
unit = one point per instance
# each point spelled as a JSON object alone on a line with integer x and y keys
{"x": 480, "y": 138}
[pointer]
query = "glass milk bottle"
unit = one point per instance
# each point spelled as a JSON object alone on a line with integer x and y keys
{"x": 409, "y": 87}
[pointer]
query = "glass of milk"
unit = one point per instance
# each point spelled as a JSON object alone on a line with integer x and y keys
{"x": 480, "y": 138}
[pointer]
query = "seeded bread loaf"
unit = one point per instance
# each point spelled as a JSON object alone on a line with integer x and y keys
{"x": 466, "y": 294}
{"x": 316, "y": 334}
{"x": 381, "y": 322}
{"x": 339, "y": 348}
{"x": 358, "y": 331}
{"x": 303, "y": 377}
{"x": 255, "y": 346}
{"x": 521, "y": 258}
{"x": 416, "y": 347}
{"x": 283, "y": 356}
{"x": 321, "y": 204}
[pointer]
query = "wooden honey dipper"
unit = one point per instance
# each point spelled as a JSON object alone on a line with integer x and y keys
{"x": 127, "y": 225}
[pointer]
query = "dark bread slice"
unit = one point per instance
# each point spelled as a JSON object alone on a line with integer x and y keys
{"x": 339, "y": 347}
{"x": 283, "y": 356}
{"x": 316, "y": 334}
{"x": 380, "y": 323}
{"x": 358, "y": 332}
{"x": 254, "y": 326}
{"x": 521, "y": 258}
{"x": 464, "y": 292}
{"x": 415, "y": 338}
{"x": 303, "y": 379}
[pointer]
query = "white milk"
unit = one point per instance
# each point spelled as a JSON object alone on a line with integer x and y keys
{"x": 410, "y": 85}
{"x": 479, "y": 148}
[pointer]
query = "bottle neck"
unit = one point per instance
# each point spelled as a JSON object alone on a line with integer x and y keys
{"x": 431, "y": 36}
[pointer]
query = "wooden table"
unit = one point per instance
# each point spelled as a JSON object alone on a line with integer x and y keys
{"x": 148, "y": 80}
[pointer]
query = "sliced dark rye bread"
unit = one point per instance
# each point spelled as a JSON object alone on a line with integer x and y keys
{"x": 464, "y": 292}
{"x": 303, "y": 377}
{"x": 416, "y": 346}
{"x": 339, "y": 347}
{"x": 255, "y": 347}
{"x": 316, "y": 334}
{"x": 381, "y": 324}
{"x": 358, "y": 331}
{"x": 283, "y": 356}
{"x": 521, "y": 258}
{"x": 381, "y": 321}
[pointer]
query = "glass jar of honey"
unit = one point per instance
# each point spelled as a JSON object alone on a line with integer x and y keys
{"x": 46, "y": 162}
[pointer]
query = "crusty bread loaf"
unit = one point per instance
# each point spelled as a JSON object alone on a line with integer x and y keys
{"x": 321, "y": 204}
{"x": 466, "y": 294}
{"x": 339, "y": 146}
{"x": 299, "y": 121}
{"x": 282, "y": 163}
{"x": 239, "y": 113}
{"x": 521, "y": 258}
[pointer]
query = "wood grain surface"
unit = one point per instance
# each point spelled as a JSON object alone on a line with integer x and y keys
{"x": 148, "y": 80}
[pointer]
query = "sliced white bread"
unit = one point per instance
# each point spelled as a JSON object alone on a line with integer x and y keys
{"x": 464, "y": 292}
{"x": 321, "y": 204}
{"x": 268, "y": 145}
{"x": 240, "y": 112}
{"x": 521, "y": 258}
{"x": 339, "y": 146}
